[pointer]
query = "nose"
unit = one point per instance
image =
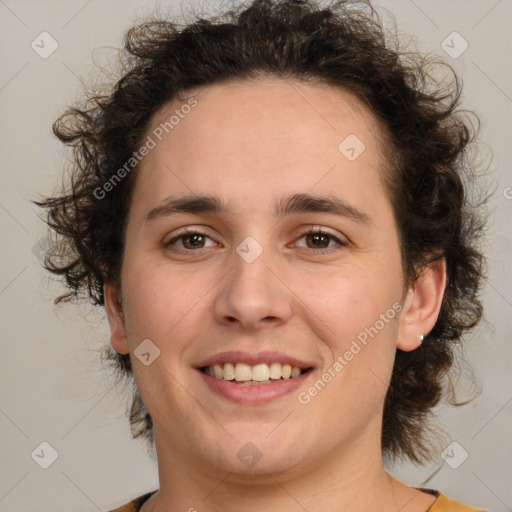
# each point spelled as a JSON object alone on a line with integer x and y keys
{"x": 253, "y": 295}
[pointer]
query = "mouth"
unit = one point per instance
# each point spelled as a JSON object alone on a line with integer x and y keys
{"x": 251, "y": 379}
{"x": 254, "y": 375}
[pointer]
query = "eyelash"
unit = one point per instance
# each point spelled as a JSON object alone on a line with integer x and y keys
{"x": 309, "y": 231}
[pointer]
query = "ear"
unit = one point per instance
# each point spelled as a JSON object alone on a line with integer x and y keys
{"x": 115, "y": 317}
{"x": 422, "y": 305}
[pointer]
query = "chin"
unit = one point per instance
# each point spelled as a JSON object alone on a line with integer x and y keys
{"x": 258, "y": 448}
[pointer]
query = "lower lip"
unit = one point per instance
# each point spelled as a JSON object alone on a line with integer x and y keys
{"x": 254, "y": 394}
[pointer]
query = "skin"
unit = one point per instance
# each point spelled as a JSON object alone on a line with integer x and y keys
{"x": 251, "y": 143}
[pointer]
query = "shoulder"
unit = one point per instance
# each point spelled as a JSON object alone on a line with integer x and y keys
{"x": 444, "y": 504}
{"x": 135, "y": 504}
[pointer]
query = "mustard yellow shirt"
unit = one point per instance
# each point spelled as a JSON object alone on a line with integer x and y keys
{"x": 442, "y": 504}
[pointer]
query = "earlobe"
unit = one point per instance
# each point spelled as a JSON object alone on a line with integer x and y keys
{"x": 115, "y": 317}
{"x": 422, "y": 306}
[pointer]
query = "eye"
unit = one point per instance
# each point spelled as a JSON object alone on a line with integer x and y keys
{"x": 190, "y": 239}
{"x": 318, "y": 238}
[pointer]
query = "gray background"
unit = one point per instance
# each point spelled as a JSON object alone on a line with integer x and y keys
{"x": 51, "y": 386}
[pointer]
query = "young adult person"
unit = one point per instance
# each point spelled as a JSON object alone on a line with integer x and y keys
{"x": 272, "y": 208}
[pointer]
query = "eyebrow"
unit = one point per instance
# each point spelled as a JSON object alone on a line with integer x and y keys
{"x": 293, "y": 204}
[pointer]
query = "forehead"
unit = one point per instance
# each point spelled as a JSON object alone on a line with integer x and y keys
{"x": 261, "y": 135}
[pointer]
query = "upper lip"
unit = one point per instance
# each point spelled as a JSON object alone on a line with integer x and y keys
{"x": 238, "y": 356}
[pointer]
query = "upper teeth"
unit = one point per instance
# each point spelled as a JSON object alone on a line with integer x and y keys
{"x": 242, "y": 372}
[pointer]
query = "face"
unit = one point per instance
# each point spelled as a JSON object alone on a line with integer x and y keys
{"x": 274, "y": 276}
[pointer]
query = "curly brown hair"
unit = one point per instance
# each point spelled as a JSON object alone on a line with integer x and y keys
{"x": 343, "y": 45}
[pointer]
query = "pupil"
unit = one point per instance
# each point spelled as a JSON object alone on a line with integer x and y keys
{"x": 194, "y": 239}
{"x": 317, "y": 238}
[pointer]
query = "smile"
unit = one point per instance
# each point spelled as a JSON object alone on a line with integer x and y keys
{"x": 262, "y": 373}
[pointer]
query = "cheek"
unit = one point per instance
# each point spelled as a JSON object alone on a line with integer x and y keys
{"x": 358, "y": 348}
{"x": 145, "y": 299}
{"x": 346, "y": 301}
{"x": 162, "y": 303}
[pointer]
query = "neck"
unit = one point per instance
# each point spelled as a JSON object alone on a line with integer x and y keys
{"x": 351, "y": 478}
